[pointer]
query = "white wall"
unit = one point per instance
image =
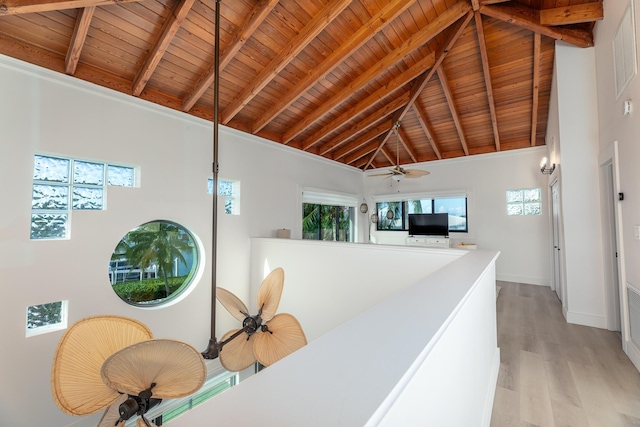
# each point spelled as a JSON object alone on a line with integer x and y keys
{"x": 338, "y": 290}
{"x": 48, "y": 113}
{"x": 522, "y": 241}
{"x": 614, "y": 126}
{"x": 573, "y": 145}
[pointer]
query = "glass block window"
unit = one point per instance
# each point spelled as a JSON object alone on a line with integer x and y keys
{"x": 61, "y": 185}
{"x": 524, "y": 201}
{"x": 230, "y": 190}
{"x": 45, "y": 318}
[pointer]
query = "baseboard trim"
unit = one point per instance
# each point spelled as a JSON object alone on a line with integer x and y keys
{"x": 523, "y": 279}
{"x": 634, "y": 354}
{"x": 491, "y": 393}
{"x": 586, "y": 319}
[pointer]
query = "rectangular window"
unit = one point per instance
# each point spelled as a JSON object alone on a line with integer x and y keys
{"x": 177, "y": 407}
{"x": 395, "y": 215}
{"x": 61, "y": 185}
{"x": 230, "y": 190}
{"x": 327, "y": 222}
{"x": 524, "y": 201}
{"x": 45, "y": 318}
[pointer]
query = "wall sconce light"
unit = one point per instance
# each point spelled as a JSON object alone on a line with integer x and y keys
{"x": 544, "y": 169}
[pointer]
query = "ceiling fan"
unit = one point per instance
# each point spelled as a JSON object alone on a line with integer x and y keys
{"x": 269, "y": 336}
{"x": 113, "y": 362}
{"x": 399, "y": 172}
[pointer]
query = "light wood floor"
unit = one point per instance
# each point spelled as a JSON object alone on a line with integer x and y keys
{"x": 556, "y": 374}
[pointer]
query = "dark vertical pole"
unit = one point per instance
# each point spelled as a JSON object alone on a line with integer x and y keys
{"x": 212, "y": 350}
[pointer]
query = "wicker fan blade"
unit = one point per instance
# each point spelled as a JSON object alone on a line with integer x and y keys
{"x": 112, "y": 414}
{"x": 237, "y": 354}
{"x": 175, "y": 367}
{"x": 381, "y": 174}
{"x": 415, "y": 173}
{"x": 232, "y": 303}
{"x": 270, "y": 293}
{"x": 286, "y": 337}
{"x": 76, "y": 383}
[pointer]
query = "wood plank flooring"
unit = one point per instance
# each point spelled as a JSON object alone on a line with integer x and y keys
{"x": 557, "y": 374}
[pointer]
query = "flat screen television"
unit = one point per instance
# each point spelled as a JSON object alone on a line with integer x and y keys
{"x": 436, "y": 224}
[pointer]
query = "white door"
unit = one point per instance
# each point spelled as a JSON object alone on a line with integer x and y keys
{"x": 557, "y": 282}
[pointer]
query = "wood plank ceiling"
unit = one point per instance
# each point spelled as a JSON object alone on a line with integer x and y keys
{"x": 330, "y": 77}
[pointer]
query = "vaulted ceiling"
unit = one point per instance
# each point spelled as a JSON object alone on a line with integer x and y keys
{"x": 331, "y": 77}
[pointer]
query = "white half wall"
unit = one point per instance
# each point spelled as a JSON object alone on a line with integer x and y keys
{"x": 522, "y": 241}
{"x": 399, "y": 363}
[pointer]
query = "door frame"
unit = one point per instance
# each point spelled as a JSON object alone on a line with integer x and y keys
{"x": 612, "y": 229}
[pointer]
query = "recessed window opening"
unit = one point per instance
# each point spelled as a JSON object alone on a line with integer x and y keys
{"x": 45, "y": 318}
{"x": 524, "y": 202}
{"x": 328, "y": 216}
{"x": 230, "y": 190}
{"x": 61, "y": 185}
{"x": 394, "y": 215}
{"x": 153, "y": 263}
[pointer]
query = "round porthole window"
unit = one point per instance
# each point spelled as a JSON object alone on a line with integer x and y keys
{"x": 153, "y": 263}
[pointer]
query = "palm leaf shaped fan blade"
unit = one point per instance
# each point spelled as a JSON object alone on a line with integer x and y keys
{"x": 284, "y": 336}
{"x": 265, "y": 337}
{"x": 238, "y": 353}
{"x": 270, "y": 293}
{"x": 76, "y": 383}
{"x": 232, "y": 303}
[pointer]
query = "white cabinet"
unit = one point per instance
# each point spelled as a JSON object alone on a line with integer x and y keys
{"x": 428, "y": 241}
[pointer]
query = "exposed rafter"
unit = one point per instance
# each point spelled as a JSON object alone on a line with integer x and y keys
{"x": 257, "y": 16}
{"x": 486, "y": 70}
{"x": 286, "y": 55}
{"x": 575, "y": 14}
{"x": 381, "y": 94}
{"x": 422, "y": 81}
{"x": 83, "y": 20}
{"x": 377, "y": 23}
{"x": 412, "y": 43}
{"x": 16, "y": 7}
{"x": 536, "y": 88}
{"x": 444, "y": 82}
{"x": 169, "y": 30}
{"x": 422, "y": 120}
{"x": 529, "y": 18}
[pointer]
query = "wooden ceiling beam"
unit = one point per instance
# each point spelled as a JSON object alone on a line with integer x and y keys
{"x": 362, "y": 140}
{"x": 17, "y": 7}
{"x": 422, "y": 119}
{"x": 169, "y": 30}
{"x": 364, "y": 124}
{"x": 422, "y": 81}
{"x": 83, "y": 21}
{"x": 286, "y": 55}
{"x": 536, "y": 88}
{"x": 529, "y": 18}
{"x": 452, "y": 107}
{"x": 258, "y": 14}
{"x": 487, "y": 78}
{"x": 435, "y": 27}
{"x": 404, "y": 140}
{"x": 575, "y": 14}
{"x": 361, "y": 152}
{"x": 367, "y": 31}
{"x": 384, "y": 92}
{"x": 389, "y": 156}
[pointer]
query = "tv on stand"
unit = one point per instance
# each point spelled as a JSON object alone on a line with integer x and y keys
{"x": 436, "y": 224}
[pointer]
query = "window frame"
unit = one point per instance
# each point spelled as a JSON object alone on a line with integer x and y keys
{"x": 404, "y": 208}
